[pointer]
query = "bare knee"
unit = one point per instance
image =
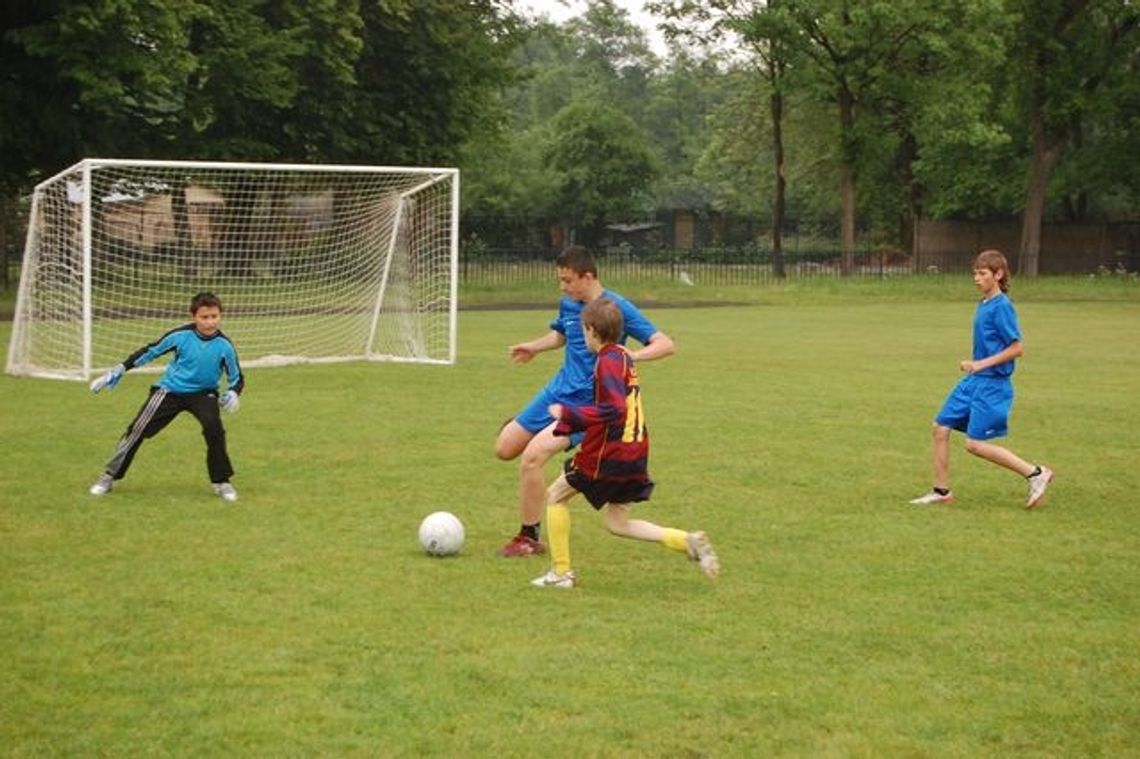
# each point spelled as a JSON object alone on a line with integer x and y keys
{"x": 616, "y": 520}
{"x": 512, "y": 440}
{"x": 941, "y": 434}
{"x": 974, "y": 446}
{"x": 533, "y": 458}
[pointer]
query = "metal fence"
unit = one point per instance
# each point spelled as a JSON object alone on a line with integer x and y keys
{"x": 716, "y": 266}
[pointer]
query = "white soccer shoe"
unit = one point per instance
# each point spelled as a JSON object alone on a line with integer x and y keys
{"x": 701, "y": 551}
{"x": 103, "y": 485}
{"x": 226, "y": 491}
{"x": 932, "y": 498}
{"x": 554, "y": 580}
{"x": 1037, "y": 485}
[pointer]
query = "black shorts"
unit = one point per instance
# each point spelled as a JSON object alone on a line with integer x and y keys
{"x": 599, "y": 492}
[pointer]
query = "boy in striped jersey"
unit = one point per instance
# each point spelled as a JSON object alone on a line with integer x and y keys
{"x": 611, "y": 467}
{"x": 190, "y": 383}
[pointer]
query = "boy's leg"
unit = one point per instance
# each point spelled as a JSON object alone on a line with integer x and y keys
{"x": 617, "y": 520}
{"x": 159, "y": 409}
{"x": 558, "y": 528}
{"x": 695, "y": 545}
{"x": 989, "y": 419}
{"x": 1000, "y": 456}
{"x": 941, "y": 457}
{"x": 205, "y": 409}
{"x": 1038, "y": 476}
{"x": 532, "y": 490}
{"x": 532, "y": 472}
{"x": 512, "y": 440}
{"x": 954, "y": 414}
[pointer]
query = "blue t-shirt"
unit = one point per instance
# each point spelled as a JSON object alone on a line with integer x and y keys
{"x": 575, "y": 380}
{"x": 197, "y": 364}
{"x": 995, "y": 329}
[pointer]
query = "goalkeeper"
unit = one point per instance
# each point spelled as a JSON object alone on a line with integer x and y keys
{"x": 190, "y": 383}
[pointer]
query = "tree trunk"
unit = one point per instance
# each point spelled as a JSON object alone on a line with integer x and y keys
{"x": 847, "y": 180}
{"x": 777, "y": 104}
{"x": 1045, "y": 157}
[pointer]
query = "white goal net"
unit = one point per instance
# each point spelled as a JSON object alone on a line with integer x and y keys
{"x": 312, "y": 263}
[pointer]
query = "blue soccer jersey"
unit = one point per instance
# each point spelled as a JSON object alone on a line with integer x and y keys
{"x": 995, "y": 329}
{"x": 574, "y": 382}
{"x": 197, "y": 364}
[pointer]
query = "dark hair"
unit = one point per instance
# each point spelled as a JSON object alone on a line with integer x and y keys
{"x": 604, "y": 316}
{"x": 578, "y": 260}
{"x": 205, "y": 299}
{"x": 994, "y": 260}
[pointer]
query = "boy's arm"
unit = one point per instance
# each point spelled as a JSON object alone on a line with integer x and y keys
{"x": 143, "y": 355}
{"x": 611, "y": 391}
{"x": 658, "y": 346}
{"x": 522, "y": 352}
{"x": 1011, "y": 352}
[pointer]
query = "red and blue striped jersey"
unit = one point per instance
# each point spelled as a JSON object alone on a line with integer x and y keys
{"x": 616, "y": 445}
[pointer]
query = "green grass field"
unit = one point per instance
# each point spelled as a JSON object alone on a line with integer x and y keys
{"x": 306, "y": 621}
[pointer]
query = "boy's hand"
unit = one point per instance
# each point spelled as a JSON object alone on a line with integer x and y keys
{"x": 555, "y": 410}
{"x": 109, "y": 380}
{"x": 521, "y": 353}
{"x": 229, "y": 401}
{"x": 967, "y": 366}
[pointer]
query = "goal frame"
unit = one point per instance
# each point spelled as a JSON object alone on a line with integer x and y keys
{"x": 19, "y": 351}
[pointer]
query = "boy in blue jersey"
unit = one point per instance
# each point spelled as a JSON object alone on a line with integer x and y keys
{"x": 980, "y": 403}
{"x": 531, "y": 433}
{"x": 190, "y": 383}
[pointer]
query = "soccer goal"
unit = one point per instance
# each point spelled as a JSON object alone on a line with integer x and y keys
{"x": 312, "y": 263}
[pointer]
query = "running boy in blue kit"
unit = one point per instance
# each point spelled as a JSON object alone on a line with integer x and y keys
{"x": 980, "y": 403}
{"x": 612, "y": 467}
{"x": 190, "y": 383}
{"x": 531, "y": 433}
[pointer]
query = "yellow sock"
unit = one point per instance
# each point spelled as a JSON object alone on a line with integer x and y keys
{"x": 675, "y": 540}
{"x": 558, "y": 533}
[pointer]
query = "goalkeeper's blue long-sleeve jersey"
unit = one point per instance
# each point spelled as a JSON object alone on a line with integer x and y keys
{"x": 197, "y": 364}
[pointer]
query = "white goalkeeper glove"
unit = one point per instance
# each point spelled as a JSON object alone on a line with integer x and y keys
{"x": 109, "y": 380}
{"x": 229, "y": 401}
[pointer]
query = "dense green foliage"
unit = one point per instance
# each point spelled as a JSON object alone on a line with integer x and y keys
{"x": 856, "y": 116}
{"x": 306, "y": 621}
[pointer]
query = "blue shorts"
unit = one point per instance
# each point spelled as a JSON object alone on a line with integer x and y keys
{"x": 978, "y": 406}
{"x": 536, "y": 417}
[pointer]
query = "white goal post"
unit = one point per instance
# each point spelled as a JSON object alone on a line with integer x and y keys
{"x": 312, "y": 263}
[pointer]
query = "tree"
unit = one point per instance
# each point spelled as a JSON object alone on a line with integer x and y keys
{"x": 604, "y": 166}
{"x": 764, "y": 30}
{"x": 1069, "y": 51}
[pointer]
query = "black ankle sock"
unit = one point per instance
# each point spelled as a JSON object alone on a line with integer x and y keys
{"x": 941, "y": 491}
{"x": 1036, "y": 471}
{"x": 530, "y": 530}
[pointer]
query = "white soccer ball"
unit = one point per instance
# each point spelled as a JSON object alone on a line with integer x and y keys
{"x": 441, "y": 533}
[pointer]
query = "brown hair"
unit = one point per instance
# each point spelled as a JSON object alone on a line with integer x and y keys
{"x": 994, "y": 260}
{"x": 578, "y": 260}
{"x": 604, "y": 316}
{"x": 205, "y": 299}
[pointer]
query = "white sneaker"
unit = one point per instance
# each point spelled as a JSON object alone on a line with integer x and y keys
{"x": 226, "y": 491}
{"x": 554, "y": 580}
{"x": 103, "y": 485}
{"x": 1037, "y": 485}
{"x": 933, "y": 497}
{"x": 701, "y": 551}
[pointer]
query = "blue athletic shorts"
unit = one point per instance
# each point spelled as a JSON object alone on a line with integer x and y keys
{"x": 978, "y": 406}
{"x": 535, "y": 417}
